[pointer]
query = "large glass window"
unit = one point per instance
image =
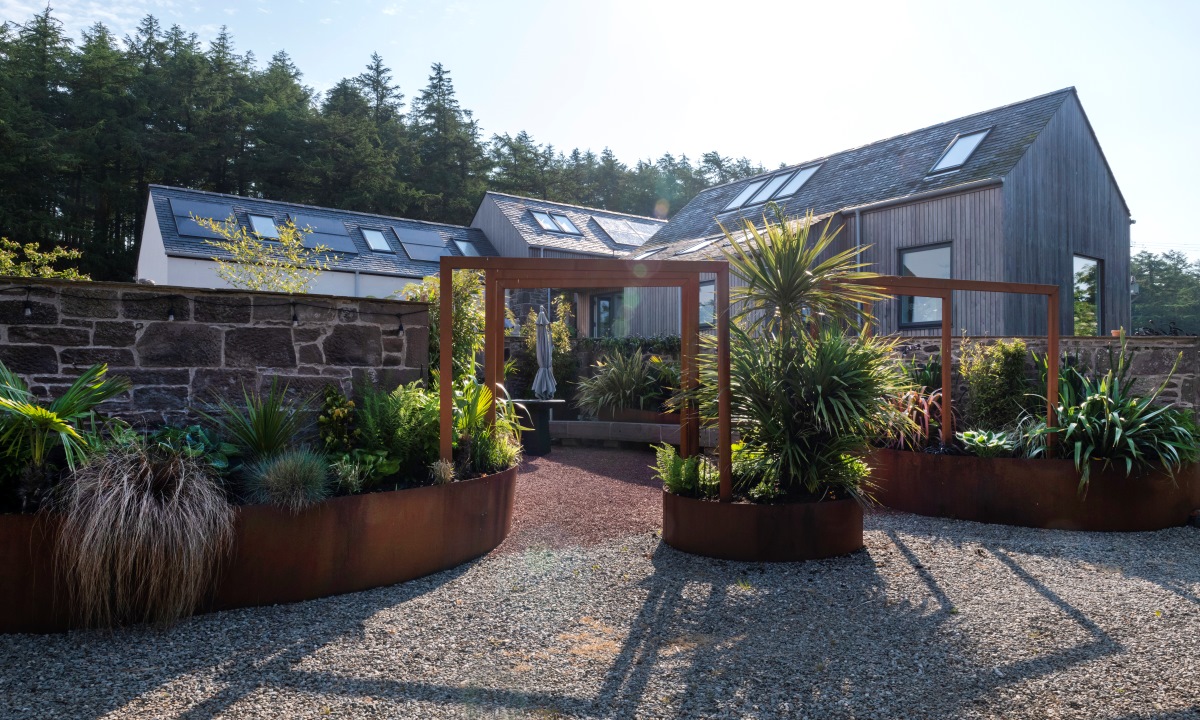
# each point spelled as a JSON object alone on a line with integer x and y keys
{"x": 959, "y": 151}
{"x": 376, "y": 241}
{"x": 928, "y": 262}
{"x": 606, "y": 314}
{"x": 708, "y": 303}
{"x": 544, "y": 220}
{"x": 264, "y": 226}
{"x": 1087, "y": 296}
{"x": 565, "y": 224}
{"x": 744, "y": 195}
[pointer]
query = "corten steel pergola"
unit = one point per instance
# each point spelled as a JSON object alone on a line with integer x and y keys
{"x": 943, "y": 289}
{"x": 501, "y": 274}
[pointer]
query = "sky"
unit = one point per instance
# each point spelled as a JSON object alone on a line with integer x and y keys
{"x": 777, "y": 82}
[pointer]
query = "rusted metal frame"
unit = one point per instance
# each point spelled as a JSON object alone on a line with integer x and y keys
{"x": 724, "y": 393}
{"x": 689, "y": 310}
{"x": 517, "y": 279}
{"x": 619, "y": 267}
{"x": 906, "y": 283}
{"x": 446, "y": 362}
{"x": 1052, "y": 356}
{"x": 947, "y": 349}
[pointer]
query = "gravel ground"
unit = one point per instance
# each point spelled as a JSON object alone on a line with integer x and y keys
{"x": 933, "y": 619}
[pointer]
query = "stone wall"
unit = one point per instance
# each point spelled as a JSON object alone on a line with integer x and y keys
{"x": 1152, "y": 362}
{"x": 183, "y": 348}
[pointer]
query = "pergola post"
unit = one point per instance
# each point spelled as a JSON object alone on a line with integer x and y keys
{"x": 947, "y": 376}
{"x": 490, "y": 350}
{"x": 1052, "y": 355}
{"x": 446, "y": 361}
{"x": 724, "y": 393}
{"x": 689, "y": 427}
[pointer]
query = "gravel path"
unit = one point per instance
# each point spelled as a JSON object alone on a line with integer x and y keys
{"x": 935, "y": 619}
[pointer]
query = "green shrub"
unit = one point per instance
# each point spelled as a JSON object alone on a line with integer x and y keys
{"x": 926, "y": 375}
{"x": 145, "y": 527}
{"x": 466, "y": 327}
{"x": 195, "y": 442}
{"x": 266, "y": 425}
{"x": 293, "y": 479}
{"x": 35, "y": 437}
{"x": 988, "y": 443}
{"x": 1107, "y": 422}
{"x": 621, "y": 380}
{"x": 695, "y": 476}
{"x": 335, "y": 424}
{"x": 404, "y": 425}
{"x": 478, "y": 446}
{"x": 659, "y": 344}
{"x": 996, "y": 383}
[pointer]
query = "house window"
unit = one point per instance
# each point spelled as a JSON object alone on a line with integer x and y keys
{"x": 554, "y": 222}
{"x": 264, "y": 226}
{"x": 647, "y": 254}
{"x": 928, "y": 262}
{"x": 606, "y": 314}
{"x": 959, "y": 151}
{"x": 466, "y": 248}
{"x": 376, "y": 241}
{"x": 1087, "y": 277}
{"x": 797, "y": 181}
{"x": 708, "y": 303}
{"x": 698, "y": 246}
{"x": 769, "y": 189}
{"x": 744, "y": 195}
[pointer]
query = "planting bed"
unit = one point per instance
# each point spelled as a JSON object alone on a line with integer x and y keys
{"x": 342, "y": 545}
{"x": 771, "y": 533}
{"x": 1032, "y": 493}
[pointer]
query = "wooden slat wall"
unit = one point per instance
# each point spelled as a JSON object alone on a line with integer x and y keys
{"x": 1060, "y": 200}
{"x": 499, "y": 230}
{"x": 971, "y": 222}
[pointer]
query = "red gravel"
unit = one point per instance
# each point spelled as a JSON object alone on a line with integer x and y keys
{"x": 583, "y": 496}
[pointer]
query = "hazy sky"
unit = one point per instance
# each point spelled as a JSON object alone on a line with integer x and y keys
{"x": 775, "y": 82}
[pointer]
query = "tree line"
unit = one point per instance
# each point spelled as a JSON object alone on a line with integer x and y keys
{"x": 1168, "y": 292}
{"x": 86, "y": 127}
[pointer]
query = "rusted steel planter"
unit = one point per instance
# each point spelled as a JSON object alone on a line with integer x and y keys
{"x": 638, "y": 416}
{"x": 342, "y": 545}
{"x": 767, "y": 533}
{"x": 1032, "y": 493}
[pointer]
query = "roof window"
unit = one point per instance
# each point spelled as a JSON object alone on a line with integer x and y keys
{"x": 468, "y": 249}
{"x": 545, "y": 221}
{"x": 745, "y": 195}
{"x": 645, "y": 255}
{"x": 555, "y": 222}
{"x": 376, "y": 241}
{"x": 565, "y": 223}
{"x": 698, "y": 246}
{"x": 769, "y": 189}
{"x": 264, "y": 226}
{"x": 959, "y": 151}
{"x": 798, "y": 180}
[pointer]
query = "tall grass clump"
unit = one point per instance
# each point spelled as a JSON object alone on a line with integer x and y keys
{"x": 145, "y": 529}
{"x": 293, "y": 480}
{"x": 265, "y": 425}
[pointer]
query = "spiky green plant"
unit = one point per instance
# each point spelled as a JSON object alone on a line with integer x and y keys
{"x": 293, "y": 479}
{"x": 145, "y": 527}
{"x": 621, "y": 380}
{"x": 265, "y": 424}
{"x": 789, "y": 275}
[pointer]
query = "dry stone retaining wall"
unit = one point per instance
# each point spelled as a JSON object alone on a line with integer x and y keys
{"x": 182, "y": 348}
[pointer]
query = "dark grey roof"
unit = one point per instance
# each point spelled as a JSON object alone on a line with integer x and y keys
{"x": 686, "y": 248}
{"x": 603, "y": 232}
{"x": 356, "y": 255}
{"x": 889, "y": 169}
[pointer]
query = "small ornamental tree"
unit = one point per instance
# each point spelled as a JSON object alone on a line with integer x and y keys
{"x": 467, "y": 321}
{"x": 282, "y": 264}
{"x": 17, "y": 260}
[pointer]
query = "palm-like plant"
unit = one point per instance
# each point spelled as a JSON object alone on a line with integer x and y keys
{"x": 266, "y": 425}
{"x": 621, "y": 380}
{"x": 790, "y": 274}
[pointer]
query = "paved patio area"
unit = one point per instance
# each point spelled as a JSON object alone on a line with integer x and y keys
{"x": 583, "y": 612}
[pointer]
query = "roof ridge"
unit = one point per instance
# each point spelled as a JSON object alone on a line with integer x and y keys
{"x": 785, "y": 168}
{"x": 577, "y": 207}
{"x": 310, "y": 207}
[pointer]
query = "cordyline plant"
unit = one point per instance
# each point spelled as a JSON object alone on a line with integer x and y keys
{"x": 283, "y": 264}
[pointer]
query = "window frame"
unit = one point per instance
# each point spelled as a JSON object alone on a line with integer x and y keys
{"x": 649, "y": 253}
{"x": 540, "y": 224}
{"x": 387, "y": 248}
{"x": 935, "y": 170}
{"x": 616, "y": 299}
{"x": 1099, "y": 294}
{"x": 254, "y": 227}
{"x": 574, "y": 228}
{"x": 813, "y": 166}
{"x": 709, "y": 285}
{"x": 900, "y": 324}
{"x": 747, "y": 192}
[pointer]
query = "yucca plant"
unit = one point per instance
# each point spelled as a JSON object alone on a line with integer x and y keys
{"x": 1111, "y": 424}
{"x": 621, "y": 380}
{"x": 265, "y": 424}
{"x": 145, "y": 527}
{"x": 790, "y": 275}
{"x": 31, "y": 433}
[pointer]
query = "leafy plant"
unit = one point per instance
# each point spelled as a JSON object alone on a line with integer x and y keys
{"x": 480, "y": 447}
{"x": 926, "y": 374}
{"x": 659, "y": 344}
{"x": 996, "y": 384}
{"x": 989, "y": 444}
{"x": 335, "y": 424}
{"x": 195, "y": 442}
{"x": 266, "y": 425}
{"x": 28, "y": 260}
{"x": 919, "y": 424}
{"x": 403, "y": 425}
{"x": 621, "y": 381}
{"x": 32, "y": 435}
{"x": 284, "y": 264}
{"x": 293, "y": 479}
{"x": 145, "y": 526}
{"x": 467, "y": 318}
{"x": 1111, "y": 424}
{"x": 695, "y": 476}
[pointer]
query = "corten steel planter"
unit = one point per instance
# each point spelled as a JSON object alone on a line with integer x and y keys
{"x": 638, "y": 416}
{"x": 762, "y": 533}
{"x": 1032, "y": 493}
{"x": 339, "y": 546}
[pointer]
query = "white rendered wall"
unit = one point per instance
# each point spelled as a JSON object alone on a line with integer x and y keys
{"x": 152, "y": 256}
{"x": 198, "y": 273}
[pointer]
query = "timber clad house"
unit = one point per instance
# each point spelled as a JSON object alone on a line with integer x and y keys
{"x": 1021, "y": 193}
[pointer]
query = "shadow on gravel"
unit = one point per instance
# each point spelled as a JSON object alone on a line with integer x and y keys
{"x": 626, "y": 466}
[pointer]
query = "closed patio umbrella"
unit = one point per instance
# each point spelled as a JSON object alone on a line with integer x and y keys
{"x": 543, "y": 383}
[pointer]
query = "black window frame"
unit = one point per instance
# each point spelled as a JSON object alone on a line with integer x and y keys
{"x": 705, "y": 285}
{"x": 948, "y": 244}
{"x": 1099, "y": 293}
{"x": 933, "y": 168}
{"x": 617, "y": 301}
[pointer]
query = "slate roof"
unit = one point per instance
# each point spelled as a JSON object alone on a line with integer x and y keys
{"x": 364, "y": 259}
{"x": 683, "y": 249}
{"x": 888, "y": 169}
{"x": 603, "y": 232}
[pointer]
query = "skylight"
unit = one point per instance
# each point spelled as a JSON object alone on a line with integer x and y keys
{"x": 565, "y": 223}
{"x": 376, "y": 241}
{"x": 645, "y": 255}
{"x": 802, "y": 175}
{"x": 769, "y": 189}
{"x": 698, "y": 246}
{"x": 466, "y": 248}
{"x": 545, "y": 221}
{"x": 959, "y": 151}
{"x": 264, "y": 226}
{"x": 744, "y": 195}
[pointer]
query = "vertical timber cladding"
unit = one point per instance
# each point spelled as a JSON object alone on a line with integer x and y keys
{"x": 972, "y": 222}
{"x": 1061, "y": 200}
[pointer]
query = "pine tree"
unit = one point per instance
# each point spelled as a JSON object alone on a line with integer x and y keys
{"x": 453, "y": 161}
